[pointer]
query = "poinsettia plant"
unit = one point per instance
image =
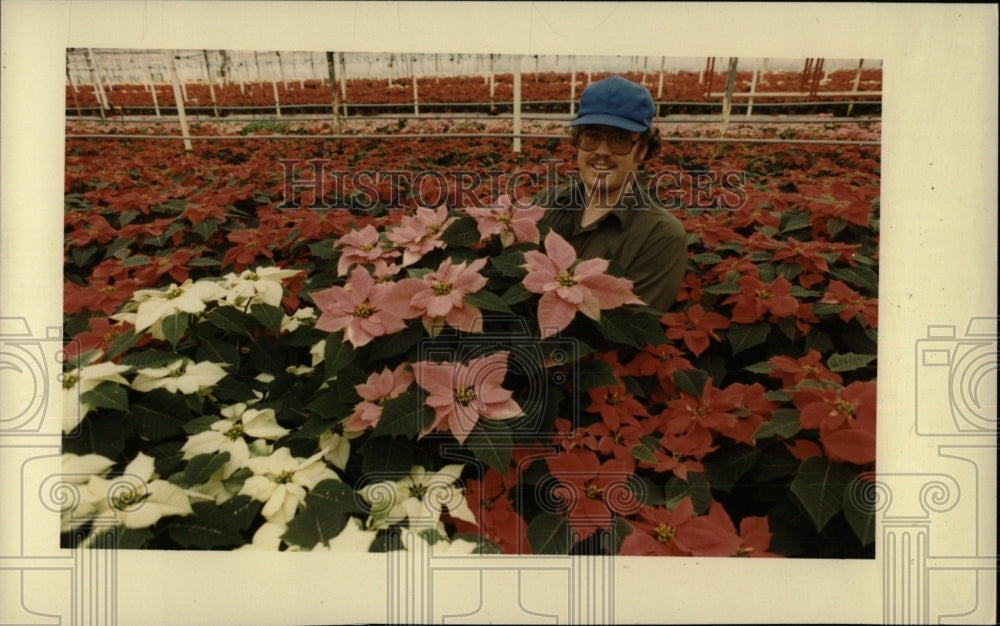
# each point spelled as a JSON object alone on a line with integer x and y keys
{"x": 307, "y": 379}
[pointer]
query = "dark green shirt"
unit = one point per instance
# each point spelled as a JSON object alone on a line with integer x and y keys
{"x": 647, "y": 241}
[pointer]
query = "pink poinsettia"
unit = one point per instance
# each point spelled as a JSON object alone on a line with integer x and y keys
{"x": 439, "y": 297}
{"x": 362, "y": 246}
{"x": 568, "y": 286}
{"x": 359, "y": 309}
{"x": 510, "y": 222}
{"x": 420, "y": 233}
{"x": 379, "y": 387}
{"x": 462, "y": 394}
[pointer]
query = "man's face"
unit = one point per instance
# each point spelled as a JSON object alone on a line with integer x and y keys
{"x": 603, "y": 168}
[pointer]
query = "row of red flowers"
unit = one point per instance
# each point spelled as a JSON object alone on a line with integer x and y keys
{"x": 545, "y": 86}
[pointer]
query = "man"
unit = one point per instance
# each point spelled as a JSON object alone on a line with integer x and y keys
{"x": 606, "y": 213}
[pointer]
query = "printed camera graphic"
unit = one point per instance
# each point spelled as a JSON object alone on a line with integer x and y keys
{"x": 956, "y": 380}
{"x": 538, "y": 366}
{"x": 29, "y": 372}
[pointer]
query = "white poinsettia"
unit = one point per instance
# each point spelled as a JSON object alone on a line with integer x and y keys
{"x": 281, "y": 481}
{"x": 338, "y": 446}
{"x": 441, "y": 547}
{"x": 229, "y": 435}
{"x": 420, "y": 498}
{"x": 181, "y": 376}
{"x": 318, "y": 352}
{"x": 77, "y": 470}
{"x": 354, "y": 538}
{"x": 136, "y": 499}
{"x": 79, "y": 381}
{"x": 267, "y": 538}
{"x": 154, "y": 305}
{"x": 292, "y": 322}
{"x": 255, "y": 286}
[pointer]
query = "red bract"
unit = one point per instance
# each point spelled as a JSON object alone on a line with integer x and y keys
{"x": 591, "y": 490}
{"x": 754, "y": 409}
{"x": 87, "y": 229}
{"x": 845, "y": 418}
{"x": 660, "y": 532}
{"x": 615, "y": 405}
{"x": 856, "y": 306}
{"x": 98, "y": 296}
{"x": 794, "y": 371}
{"x": 695, "y": 327}
{"x": 102, "y": 332}
{"x": 499, "y": 523}
{"x": 175, "y": 265}
{"x": 712, "y": 411}
{"x": 758, "y": 299}
{"x": 661, "y": 361}
{"x": 681, "y": 454}
{"x": 249, "y": 245}
{"x": 809, "y": 255}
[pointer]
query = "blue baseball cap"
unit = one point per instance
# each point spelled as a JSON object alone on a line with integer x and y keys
{"x": 616, "y": 102}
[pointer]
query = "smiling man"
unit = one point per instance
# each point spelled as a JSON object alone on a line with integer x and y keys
{"x": 606, "y": 213}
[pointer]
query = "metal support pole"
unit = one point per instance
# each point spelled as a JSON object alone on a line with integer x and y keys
{"x": 857, "y": 81}
{"x": 181, "y": 115}
{"x": 517, "y": 104}
{"x": 727, "y": 100}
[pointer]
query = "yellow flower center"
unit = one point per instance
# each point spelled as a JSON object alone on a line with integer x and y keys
{"x": 566, "y": 279}
{"x": 441, "y": 288}
{"x": 418, "y": 491}
{"x": 844, "y": 407}
{"x": 465, "y": 395}
{"x": 763, "y": 294}
{"x": 676, "y": 455}
{"x": 613, "y": 399}
{"x": 173, "y": 292}
{"x": 664, "y": 533}
{"x": 367, "y": 247}
{"x": 284, "y": 477}
{"x": 70, "y": 381}
{"x": 742, "y": 551}
{"x": 108, "y": 289}
{"x": 592, "y": 491}
{"x": 180, "y": 371}
{"x": 236, "y": 432}
{"x": 363, "y": 311}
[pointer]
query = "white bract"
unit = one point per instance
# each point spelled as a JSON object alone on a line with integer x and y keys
{"x": 420, "y": 498}
{"x": 229, "y": 435}
{"x": 281, "y": 481}
{"x": 181, "y": 376}
{"x": 154, "y": 305}
{"x": 257, "y": 286}
{"x": 292, "y": 322}
{"x": 337, "y": 446}
{"x": 135, "y": 499}
{"x": 79, "y": 381}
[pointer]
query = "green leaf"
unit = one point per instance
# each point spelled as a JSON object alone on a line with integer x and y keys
{"x": 784, "y": 423}
{"x": 334, "y": 496}
{"x": 487, "y": 301}
{"x": 825, "y": 309}
{"x": 174, "y": 327}
{"x": 107, "y": 395}
{"x": 135, "y": 260}
{"x": 200, "y": 468}
{"x": 387, "y": 458}
{"x": 121, "y": 343}
{"x": 819, "y": 486}
{"x": 763, "y": 367}
{"x": 549, "y": 533}
{"x": 403, "y": 415}
{"x": 268, "y": 315}
{"x": 616, "y": 326}
{"x": 794, "y": 220}
{"x": 516, "y": 293}
{"x": 229, "y": 319}
{"x": 206, "y": 228}
{"x": 859, "y": 276}
{"x": 834, "y": 225}
{"x": 393, "y": 345}
{"x": 337, "y": 355}
{"x": 859, "y": 509}
{"x": 707, "y": 258}
{"x": 510, "y": 263}
{"x": 695, "y": 487}
{"x": 224, "y": 354}
{"x": 691, "y": 381}
{"x": 243, "y": 510}
{"x": 461, "y": 233}
{"x": 725, "y": 467}
{"x": 594, "y": 373}
{"x": 100, "y": 433}
{"x": 643, "y": 454}
{"x": 209, "y": 527}
{"x": 801, "y": 292}
{"x": 723, "y": 289}
{"x": 149, "y": 358}
{"x": 311, "y": 527}
{"x": 745, "y": 336}
{"x": 160, "y": 415}
{"x": 116, "y": 247}
{"x": 204, "y": 262}
{"x": 491, "y": 445}
{"x": 848, "y": 362}
{"x": 647, "y": 330}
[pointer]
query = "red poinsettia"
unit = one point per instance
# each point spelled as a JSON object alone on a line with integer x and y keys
{"x": 856, "y": 306}
{"x": 695, "y": 327}
{"x": 662, "y": 532}
{"x": 590, "y": 490}
{"x": 845, "y": 418}
{"x": 758, "y": 299}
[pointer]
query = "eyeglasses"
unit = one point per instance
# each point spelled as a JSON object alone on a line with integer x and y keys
{"x": 619, "y": 142}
